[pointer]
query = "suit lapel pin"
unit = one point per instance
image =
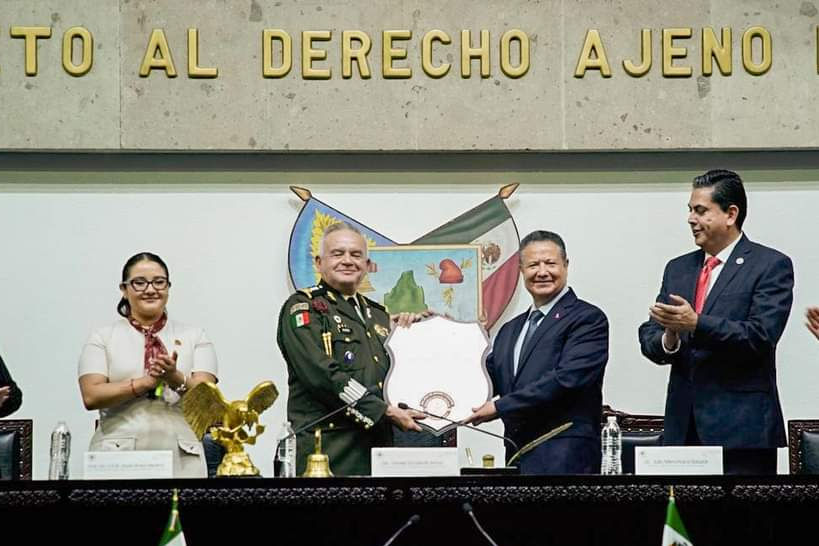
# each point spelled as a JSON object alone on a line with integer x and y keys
{"x": 740, "y": 261}
{"x": 557, "y": 315}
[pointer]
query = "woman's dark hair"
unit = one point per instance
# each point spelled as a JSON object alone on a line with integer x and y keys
{"x": 123, "y": 307}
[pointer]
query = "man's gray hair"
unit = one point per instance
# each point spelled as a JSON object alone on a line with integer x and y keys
{"x": 340, "y": 226}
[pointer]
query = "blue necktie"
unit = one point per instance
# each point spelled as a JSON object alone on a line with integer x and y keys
{"x": 533, "y": 324}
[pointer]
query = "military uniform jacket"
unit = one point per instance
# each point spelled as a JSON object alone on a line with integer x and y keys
{"x": 332, "y": 356}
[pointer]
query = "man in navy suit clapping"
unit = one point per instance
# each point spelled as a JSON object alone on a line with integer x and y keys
{"x": 717, "y": 320}
{"x": 547, "y": 366}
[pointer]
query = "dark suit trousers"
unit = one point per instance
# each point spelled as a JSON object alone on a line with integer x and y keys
{"x": 738, "y": 461}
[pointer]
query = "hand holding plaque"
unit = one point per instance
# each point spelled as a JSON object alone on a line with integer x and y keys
{"x": 439, "y": 366}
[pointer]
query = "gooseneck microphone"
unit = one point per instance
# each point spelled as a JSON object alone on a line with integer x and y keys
{"x": 311, "y": 424}
{"x": 404, "y": 406}
{"x": 467, "y": 508}
{"x": 413, "y": 520}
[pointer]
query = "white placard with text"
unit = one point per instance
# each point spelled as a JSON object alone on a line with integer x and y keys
{"x": 414, "y": 461}
{"x": 128, "y": 465}
{"x": 678, "y": 460}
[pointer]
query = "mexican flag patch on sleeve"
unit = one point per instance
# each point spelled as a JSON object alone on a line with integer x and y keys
{"x": 300, "y": 319}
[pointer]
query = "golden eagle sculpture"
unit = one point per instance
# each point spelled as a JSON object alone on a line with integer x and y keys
{"x": 231, "y": 424}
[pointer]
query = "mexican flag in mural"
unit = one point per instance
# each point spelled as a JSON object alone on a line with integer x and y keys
{"x": 674, "y": 533}
{"x": 489, "y": 226}
{"x": 173, "y": 535}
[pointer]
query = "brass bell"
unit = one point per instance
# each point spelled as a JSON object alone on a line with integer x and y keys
{"x": 318, "y": 463}
{"x": 488, "y": 461}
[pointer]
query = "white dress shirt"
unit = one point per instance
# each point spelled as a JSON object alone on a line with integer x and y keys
{"x": 723, "y": 256}
{"x": 545, "y": 309}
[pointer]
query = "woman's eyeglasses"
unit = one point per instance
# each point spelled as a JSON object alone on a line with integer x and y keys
{"x": 140, "y": 284}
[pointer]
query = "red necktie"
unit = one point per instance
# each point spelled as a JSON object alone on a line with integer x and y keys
{"x": 702, "y": 282}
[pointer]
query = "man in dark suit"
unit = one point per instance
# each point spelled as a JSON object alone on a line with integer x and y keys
{"x": 11, "y": 397}
{"x": 547, "y": 366}
{"x": 719, "y": 315}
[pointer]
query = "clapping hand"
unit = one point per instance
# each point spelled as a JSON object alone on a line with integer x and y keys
{"x": 677, "y": 316}
{"x": 812, "y": 315}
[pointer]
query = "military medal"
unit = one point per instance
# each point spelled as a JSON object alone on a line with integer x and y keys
{"x": 348, "y": 357}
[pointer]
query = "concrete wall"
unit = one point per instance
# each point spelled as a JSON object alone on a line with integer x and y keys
{"x": 113, "y": 108}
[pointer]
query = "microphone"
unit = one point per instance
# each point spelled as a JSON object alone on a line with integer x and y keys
{"x": 413, "y": 519}
{"x": 404, "y": 406}
{"x": 354, "y": 398}
{"x": 467, "y": 508}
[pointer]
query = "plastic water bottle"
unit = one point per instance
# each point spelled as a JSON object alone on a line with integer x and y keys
{"x": 286, "y": 453}
{"x": 60, "y": 452}
{"x": 612, "y": 448}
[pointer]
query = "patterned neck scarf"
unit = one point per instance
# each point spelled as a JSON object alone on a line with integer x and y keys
{"x": 153, "y": 345}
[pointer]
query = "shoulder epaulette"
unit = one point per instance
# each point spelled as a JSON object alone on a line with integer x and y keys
{"x": 313, "y": 291}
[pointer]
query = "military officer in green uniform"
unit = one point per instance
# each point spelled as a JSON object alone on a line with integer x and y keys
{"x": 332, "y": 338}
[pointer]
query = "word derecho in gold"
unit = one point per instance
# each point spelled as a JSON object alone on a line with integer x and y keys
{"x": 356, "y": 46}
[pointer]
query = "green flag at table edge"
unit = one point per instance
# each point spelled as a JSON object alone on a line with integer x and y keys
{"x": 173, "y": 534}
{"x": 674, "y": 533}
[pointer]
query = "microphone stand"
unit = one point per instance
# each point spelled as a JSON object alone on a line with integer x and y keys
{"x": 467, "y": 508}
{"x": 323, "y": 418}
{"x": 413, "y": 519}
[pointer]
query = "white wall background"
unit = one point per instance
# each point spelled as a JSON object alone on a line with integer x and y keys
{"x": 62, "y": 253}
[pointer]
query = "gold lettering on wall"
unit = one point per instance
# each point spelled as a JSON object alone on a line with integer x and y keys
{"x": 468, "y": 53}
{"x": 639, "y": 70}
{"x": 31, "y": 35}
{"x": 87, "y": 59}
{"x": 308, "y": 55}
{"x": 713, "y": 49}
{"x": 757, "y": 69}
{"x": 157, "y": 43}
{"x": 505, "y": 56}
{"x": 357, "y": 54}
{"x": 194, "y": 70}
{"x": 390, "y": 53}
{"x": 268, "y": 70}
{"x": 592, "y": 56}
{"x": 671, "y": 52}
{"x": 426, "y": 53}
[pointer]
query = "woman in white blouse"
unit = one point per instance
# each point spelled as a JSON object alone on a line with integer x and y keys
{"x": 136, "y": 370}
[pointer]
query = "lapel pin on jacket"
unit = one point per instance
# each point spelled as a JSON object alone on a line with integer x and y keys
{"x": 740, "y": 261}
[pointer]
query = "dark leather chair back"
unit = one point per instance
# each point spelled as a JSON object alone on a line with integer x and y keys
{"x": 636, "y": 430}
{"x": 803, "y": 446}
{"x": 15, "y": 449}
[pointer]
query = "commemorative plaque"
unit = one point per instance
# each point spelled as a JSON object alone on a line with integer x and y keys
{"x": 439, "y": 366}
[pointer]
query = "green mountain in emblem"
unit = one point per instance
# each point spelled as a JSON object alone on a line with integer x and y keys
{"x": 405, "y": 296}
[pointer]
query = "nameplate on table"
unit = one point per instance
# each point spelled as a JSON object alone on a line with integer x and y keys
{"x": 678, "y": 460}
{"x": 128, "y": 465}
{"x": 415, "y": 461}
